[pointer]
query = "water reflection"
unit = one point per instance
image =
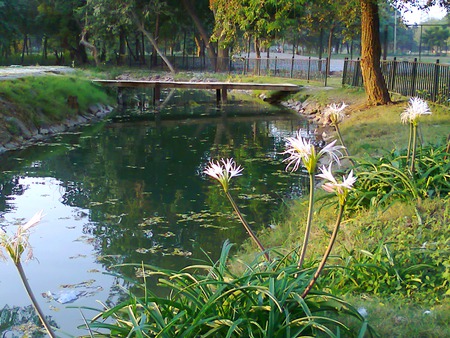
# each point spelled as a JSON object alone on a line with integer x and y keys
{"x": 132, "y": 190}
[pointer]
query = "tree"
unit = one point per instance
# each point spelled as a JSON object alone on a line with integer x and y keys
{"x": 120, "y": 15}
{"x": 374, "y": 84}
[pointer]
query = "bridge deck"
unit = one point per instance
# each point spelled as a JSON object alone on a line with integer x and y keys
{"x": 220, "y": 87}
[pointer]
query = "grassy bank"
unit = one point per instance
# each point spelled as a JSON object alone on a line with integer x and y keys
{"x": 391, "y": 259}
{"x": 33, "y": 102}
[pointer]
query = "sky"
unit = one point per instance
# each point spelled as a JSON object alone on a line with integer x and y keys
{"x": 418, "y": 16}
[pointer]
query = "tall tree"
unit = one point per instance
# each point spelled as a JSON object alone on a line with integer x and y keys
{"x": 374, "y": 84}
{"x": 120, "y": 14}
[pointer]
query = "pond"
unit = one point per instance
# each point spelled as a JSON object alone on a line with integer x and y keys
{"x": 131, "y": 189}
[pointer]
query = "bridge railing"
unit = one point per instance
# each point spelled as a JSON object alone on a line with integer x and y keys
{"x": 430, "y": 81}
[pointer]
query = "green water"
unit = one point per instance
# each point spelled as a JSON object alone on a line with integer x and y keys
{"x": 132, "y": 189}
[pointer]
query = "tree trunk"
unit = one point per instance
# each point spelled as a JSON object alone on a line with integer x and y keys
{"x": 223, "y": 56}
{"x": 374, "y": 84}
{"x": 90, "y": 46}
{"x": 150, "y": 38}
{"x": 154, "y": 54}
{"x": 258, "y": 55}
{"x": 122, "y": 47}
{"x": 25, "y": 40}
{"x": 204, "y": 35}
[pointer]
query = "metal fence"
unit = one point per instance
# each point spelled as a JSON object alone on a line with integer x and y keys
{"x": 305, "y": 69}
{"x": 430, "y": 81}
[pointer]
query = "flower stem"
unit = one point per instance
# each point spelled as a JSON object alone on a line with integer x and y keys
{"x": 413, "y": 155}
{"x": 30, "y": 293}
{"x": 308, "y": 221}
{"x": 408, "y": 154}
{"x": 338, "y": 131}
{"x": 327, "y": 252}
{"x": 247, "y": 226}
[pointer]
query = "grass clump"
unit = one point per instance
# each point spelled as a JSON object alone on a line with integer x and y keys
{"x": 46, "y": 97}
{"x": 211, "y": 301}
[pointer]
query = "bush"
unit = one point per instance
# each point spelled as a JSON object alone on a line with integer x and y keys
{"x": 264, "y": 301}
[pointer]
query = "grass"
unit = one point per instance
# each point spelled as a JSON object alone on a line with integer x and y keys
{"x": 43, "y": 99}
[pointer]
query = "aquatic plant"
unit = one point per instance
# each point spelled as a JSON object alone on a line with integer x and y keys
{"x": 302, "y": 151}
{"x": 16, "y": 245}
{"x": 341, "y": 190}
{"x": 415, "y": 109}
{"x": 335, "y": 115}
{"x": 209, "y": 300}
{"x": 223, "y": 172}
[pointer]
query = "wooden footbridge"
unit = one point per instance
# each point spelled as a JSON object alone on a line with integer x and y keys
{"x": 220, "y": 87}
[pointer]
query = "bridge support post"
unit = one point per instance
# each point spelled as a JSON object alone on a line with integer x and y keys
{"x": 218, "y": 96}
{"x": 156, "y": 94}
{"x": 224, "y": 94}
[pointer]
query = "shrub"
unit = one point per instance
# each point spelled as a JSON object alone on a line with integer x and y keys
{"x": 264, "y": 301}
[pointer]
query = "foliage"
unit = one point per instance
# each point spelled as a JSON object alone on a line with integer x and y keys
{"x": 403, "y": 257}
{"x": 265, "y": 301}
{"x": 387, "y": 180}
{"x": 50, "y": 94}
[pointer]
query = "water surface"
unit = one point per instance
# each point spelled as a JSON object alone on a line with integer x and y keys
{"x": 132, "y": 189}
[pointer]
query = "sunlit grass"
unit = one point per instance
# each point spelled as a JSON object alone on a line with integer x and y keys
{"x": 45, "y": 97}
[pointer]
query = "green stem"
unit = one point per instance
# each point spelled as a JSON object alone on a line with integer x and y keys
{"x": 413, "y": 156}
{"x": 338, "y": 131}
{"x": 30, "y": 293}
{"x": 247, "y": 226}
{"x": 308, "y": 221}
{"x": 327, "y": 252}
{"x": 408, "y": 154}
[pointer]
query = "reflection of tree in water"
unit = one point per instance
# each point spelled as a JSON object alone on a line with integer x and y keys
{"x": 18, "y": 322}
{"x": 141, "y": 184}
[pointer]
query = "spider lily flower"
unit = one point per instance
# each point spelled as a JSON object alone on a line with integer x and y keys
{"x": 416, "y": 108}
{"x": 301, "y": 150}
{"x": 334, "y": 113}
{"x": 17, "y": 244}
{"x": 332, "y": 185}
{"x": 223, "y": 171}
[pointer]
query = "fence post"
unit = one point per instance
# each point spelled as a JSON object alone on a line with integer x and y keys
{"x": 393, "y": 74}
{"x": 435, "y": 81}
{"x": 292, "y": 67}
{"x": 309, "y": 69}
{"x": 414, "y": 78}
{"x": 276, "y": 59}
{"x": 356, "y": 73}
{"x": 344, "y": 71}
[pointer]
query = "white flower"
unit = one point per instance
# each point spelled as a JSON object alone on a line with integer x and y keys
{"x": 416, "y": 108}
{"x": 301, "y": 150}
{"x": 341, "y": 189}
{"x": 334, "y": 113}
{"x": 16, "y": 245}
{"x": 224, "y": 171}
{"x": 332, "y": 150}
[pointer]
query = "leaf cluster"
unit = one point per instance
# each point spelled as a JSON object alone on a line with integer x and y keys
{"x": 211, "y": 301}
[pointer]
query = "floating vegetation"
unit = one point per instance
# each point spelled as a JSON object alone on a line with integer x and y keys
{"x": 154, "y": 249}
{"x": 85, "y": 239}
{"x": 151, "y": 221}
{"x": 256, "y": 197}
{"x": 167, "y": 234}
{"x": 207, "y": 226}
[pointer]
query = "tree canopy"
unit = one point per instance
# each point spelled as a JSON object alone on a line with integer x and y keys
{"x": 114, "y": 31}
